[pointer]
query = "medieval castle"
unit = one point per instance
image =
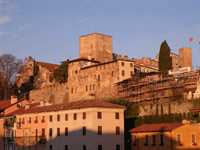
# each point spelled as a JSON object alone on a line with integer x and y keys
{"x": 95, "y": 74}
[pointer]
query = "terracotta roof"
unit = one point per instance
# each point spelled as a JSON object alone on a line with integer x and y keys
{"x": 21, "y": 110}
{"x": 156, "y": 127}
{"x": 48, "y": 66}
{"x": 84, "y": 59}
{"x": 190, "y": 89}
{"x": 72, "y": 105}
{"x": 196, "y": 110}
{"x": 4, "y": 104}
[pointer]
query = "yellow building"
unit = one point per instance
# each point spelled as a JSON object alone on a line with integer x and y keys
{"x": 168, "y": 136}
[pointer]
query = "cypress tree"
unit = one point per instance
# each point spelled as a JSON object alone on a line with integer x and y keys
{"x": 35, "y": 68}
{"x": 165, "y": 60}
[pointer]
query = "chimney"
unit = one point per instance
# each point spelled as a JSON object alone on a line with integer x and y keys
{"x": 126, "y": 57}
{"x": 13, "y": 99}
{"x": 42, "y": 103}
{"x": 27, "y": 106}
{"x": 185, "y": 121}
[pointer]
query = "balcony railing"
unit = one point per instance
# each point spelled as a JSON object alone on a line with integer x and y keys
{"x": 26, "y": 139}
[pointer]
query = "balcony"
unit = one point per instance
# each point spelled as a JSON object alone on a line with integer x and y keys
{"x": 29, "y": 140}
{"x": 35, "y": 121}
{"x": 42, "y": 121}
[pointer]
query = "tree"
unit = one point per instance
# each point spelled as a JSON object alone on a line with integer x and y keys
{"x": 61, "y": 73}
{"x": 165, "y": 60}
{"x": 132, "y": 111}
{"x": 9, "y": 69}
{"x": 35, "y": 68}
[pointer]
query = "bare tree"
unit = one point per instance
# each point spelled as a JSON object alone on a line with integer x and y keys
{"x": 9, "y": 69}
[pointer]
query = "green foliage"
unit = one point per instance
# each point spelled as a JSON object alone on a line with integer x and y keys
{"x": 156, "y": 109}
{"x": 61, "y": 73}
{"x": 50, "y": 79}
{"x": 35, "y": 68}
{"x": 161, "y": 107}
{"x": 165, "y": 61}
{"x": 169, "y": 108}
{"x": 131, "y": 111}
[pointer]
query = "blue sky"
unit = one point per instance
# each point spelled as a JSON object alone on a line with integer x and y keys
{"x": 49, "y": 30}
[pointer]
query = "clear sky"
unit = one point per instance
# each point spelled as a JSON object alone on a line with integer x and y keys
{"x": 49, "y": 30}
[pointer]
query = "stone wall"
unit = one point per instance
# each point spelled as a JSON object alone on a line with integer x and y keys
{"x": 176, "y": 107}
{"x": 57, "y": 93}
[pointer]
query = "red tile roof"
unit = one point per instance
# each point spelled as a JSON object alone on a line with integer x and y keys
{"x": 4, "y": 104}
{"x": 72, "y": 105}
{"x": 48, "y": 66}
{"x": 190, "y": 89}
{"x": 156, "y": 127}
{"x": 21, "y": 110}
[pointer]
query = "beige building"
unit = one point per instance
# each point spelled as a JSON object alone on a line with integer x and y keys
{"x": 90, "y": 124}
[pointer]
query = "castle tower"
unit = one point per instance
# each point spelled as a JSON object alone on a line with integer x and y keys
{"x": 185, "y": 57}
{"x": 96, "y": 46}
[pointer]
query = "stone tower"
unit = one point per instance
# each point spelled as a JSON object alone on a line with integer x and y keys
{"x": 96, "y": 46}
{"x": 185, "y": 57}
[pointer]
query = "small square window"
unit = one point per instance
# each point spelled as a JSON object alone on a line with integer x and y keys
{"x": 123, "y": 73}
{"x": 76, "y": 72}
{"x": 58, "y": 131}
{"x": 50, "y": 132}
{"x": 131, "y": 65}
{"x": 58, "y": 117}
{"x": 71, "y": 90}
{"x": 116, "y": 115}
{"x": 99, "y": 130}
{"x": 84, "y": 115}
{"x": 99, "y": 115}
{"x": 117, "y": 131}
{"x": 75, "y": 116}
{"x": 66, "y": 131}
{"x": 122, "y": 63}
{"x": 50, "y": 118}
{"x": 86, "y": 88}
{"x": 66, "y": 117}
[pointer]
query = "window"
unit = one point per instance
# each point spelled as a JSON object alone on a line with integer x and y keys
{"x": 146, "y": 137}
{"x": 84, "y": 115}
{"x": 193, "y": 139}
{"x": 76, "y": 72}
{"x": 50, "y": 118}
{"x": 116, "y": 115}
{"x": 75, "y": 89}
{"x": 122, "y": 63}
{"x": 112, "y": 73}
{"x": 50, "y": 147}
{"x": 154, "y": 140}
{"x": 117, "y": 131}
{"x": 22, "y": 120}
{"x": 84, "y": 130}
{"x": 90, "y": 87}
{"x": 84, "y": 147}
{"x": 85, "y": 63}
{"x": 75, "y": 116}
{"x": 179, "y": 139}
{"x": 66, "y": 117}
{"x": 58, "y": 117}
{"x": 36, "y": 119}
{"x": 162, "y": 140}
{"x": 123, "y": 73}
{"x": 43, "y": 132}
{"x": 94, "y": 87}
{"x": 71, "y": 90}
{"x": 66, "y": 147}
{"x": 29, "y": 121}
{"x": 99, "y": 147}
{"x": 66, "y": 131}
{"x": 43, "y": 119}
{"x": 131, "y": 64}
{"x": 58, "y": 131}
{"x": 99, "y": 115}
{"x": 50, "y": 132}
{"x": 86, "y": 88}
{"x": 99, "y": 130}
{"x": 131, "y": 73}
{"x": 117, "y": 147}
{"x": 134, "y": 140}
{"x": 98, "y": 78}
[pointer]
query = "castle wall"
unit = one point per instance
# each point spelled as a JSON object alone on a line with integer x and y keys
{"x": 57, "y": 93}
{"x": 185, "y": 57}
{"x": 176, "y": 107}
